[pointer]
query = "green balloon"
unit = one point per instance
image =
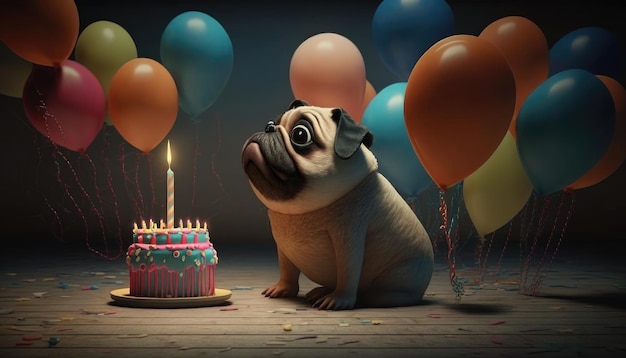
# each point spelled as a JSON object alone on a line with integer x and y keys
{"x": 103, "y": 47}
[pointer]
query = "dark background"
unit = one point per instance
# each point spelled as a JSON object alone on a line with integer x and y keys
{"x": 38, "y": 185}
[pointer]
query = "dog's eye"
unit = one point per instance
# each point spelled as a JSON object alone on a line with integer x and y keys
{"x": 301, "y": 134}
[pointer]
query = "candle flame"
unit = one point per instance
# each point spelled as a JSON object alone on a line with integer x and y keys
{"x": 169, "y": 155}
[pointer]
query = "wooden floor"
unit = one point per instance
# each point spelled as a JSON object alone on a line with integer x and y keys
{"x": 578, "y": 311}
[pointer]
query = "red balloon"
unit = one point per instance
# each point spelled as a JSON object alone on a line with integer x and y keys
{"x": 525, "y": 48}
{"x": 143, "y": 102}
{"x": 458, "y": 105}
{"x": 66, "y": 104}
{"x": 43, "y": 32}
{"x": 616, "y": 153}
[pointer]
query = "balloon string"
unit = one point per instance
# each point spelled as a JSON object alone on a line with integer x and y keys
{"x": 138, "y": 186}
{"x": 540, "y": 225}
{"x": 43, "y": 110}
{"x": 69, "y": 195}
{"x": 151, "y": 183}
{"x": 481, "y": 262}
{"x": 56, "y": 216}
{"x": 457, "y": 287}
{"x": 526, "y": 222}
{"x": 100, "y": 216}
{"x": 214, "y": 155}
{"x": 195, "y": 164}
{"x": 504, "y": 246}
{"x": 109, "y": 180}
{"x": 94, "y": 209}
{"x": 547, "y": 246}
{"x": 432, "y": 220}
{"x": 566, "y": 194}
{"x": 127, "y": 180}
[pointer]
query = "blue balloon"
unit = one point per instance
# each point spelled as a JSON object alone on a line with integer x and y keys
{"x": 563, "y": 128}
{"x": 404, "y": 29}
{"x": 589, "y": 48}
{"x": 198, "y": 53}
{"x": 384, "y": 116}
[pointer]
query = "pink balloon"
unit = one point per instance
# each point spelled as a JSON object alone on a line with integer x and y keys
{"x": 328, "y": 70}
{"x": 66, "y": 104}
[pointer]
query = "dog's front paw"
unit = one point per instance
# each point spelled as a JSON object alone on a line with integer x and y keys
{"x": 281, "y": 289}
{"x": 327, "y": 299}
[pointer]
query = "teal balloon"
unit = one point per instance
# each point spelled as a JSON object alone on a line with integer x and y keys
{"x": 563, "y": 128}
{"x": 384, "y": 117}
{"x": 403, "y": 30}
{"x": 198, "y": 53}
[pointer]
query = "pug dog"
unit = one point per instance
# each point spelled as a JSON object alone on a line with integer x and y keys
{"x": 333, "y": 216}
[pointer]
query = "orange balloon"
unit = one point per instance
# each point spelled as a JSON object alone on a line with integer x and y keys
{"x": 143, "y": 102}
{"x": 370, "y": 93}
{"x": 40, "y": 31}
{"x": 328, "y": 70}
{"x": 616, "y": 153}
{"x": 458, "y": 105}
{"x": 525, "y": 48}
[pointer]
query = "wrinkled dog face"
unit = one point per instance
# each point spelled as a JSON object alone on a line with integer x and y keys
{"x": 307, "y": 158}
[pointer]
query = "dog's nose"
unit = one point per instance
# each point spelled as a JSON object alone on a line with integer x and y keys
{"x": 270, "y": 127}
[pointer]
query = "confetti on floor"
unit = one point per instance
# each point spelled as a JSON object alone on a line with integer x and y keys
{"x": 32, "y": 338}
{"x": 229, "y": 309}
{"x": 284, "y": 310}
{"x": 348, "y": 342}
{"x": 140, "y": 335}
{"x": 26, "y": 328}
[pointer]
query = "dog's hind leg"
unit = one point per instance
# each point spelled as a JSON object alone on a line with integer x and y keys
{"x": 402, "y": 285}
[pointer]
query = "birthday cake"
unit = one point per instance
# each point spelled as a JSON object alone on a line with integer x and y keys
{"x": 171, "y": 262}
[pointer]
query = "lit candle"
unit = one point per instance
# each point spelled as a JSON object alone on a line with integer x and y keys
{"x": 170, "y": 189}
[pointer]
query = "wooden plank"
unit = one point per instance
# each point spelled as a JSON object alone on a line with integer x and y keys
{"x": 577, "y": 312}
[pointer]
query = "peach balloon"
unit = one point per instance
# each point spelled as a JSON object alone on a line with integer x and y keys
{"x": 616, "y": 153}
{"x": 328, "y": 70}
{"x": 143, "y": 102}
{"x": 370, "y": 93}
{"x": 458, "y": 105}
{"x": 525, "y": 48}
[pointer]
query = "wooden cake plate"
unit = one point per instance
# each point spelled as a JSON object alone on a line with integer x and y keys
{"x": 122, "y": 297}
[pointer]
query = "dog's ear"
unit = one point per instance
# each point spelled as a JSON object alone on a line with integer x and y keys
{"x": 297, "y": 103}
{"x": 350, "y": 134}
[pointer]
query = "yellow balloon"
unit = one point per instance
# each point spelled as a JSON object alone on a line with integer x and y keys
{"x": 497, "y": 190}
{"x": 103, "y": 47}
{"x": 14, "y": 71}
